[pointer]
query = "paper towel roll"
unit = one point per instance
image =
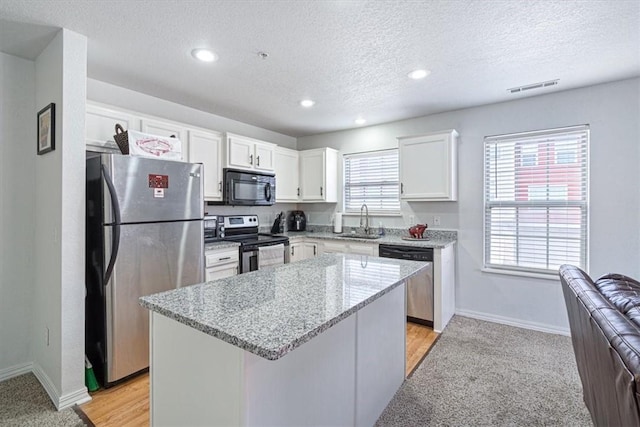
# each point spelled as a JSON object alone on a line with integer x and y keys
{"x": 337, "y": 222}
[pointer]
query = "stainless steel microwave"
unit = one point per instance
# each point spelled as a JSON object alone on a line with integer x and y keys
{"x": 247, "y": 188}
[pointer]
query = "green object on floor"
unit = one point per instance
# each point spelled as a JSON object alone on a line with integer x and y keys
{"x": 89, "y": 377}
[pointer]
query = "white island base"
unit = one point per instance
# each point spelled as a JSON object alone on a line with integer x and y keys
{"x": 346, "y": 375}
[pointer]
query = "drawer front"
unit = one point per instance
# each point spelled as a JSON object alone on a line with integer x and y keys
{"x": 213, "y": 258}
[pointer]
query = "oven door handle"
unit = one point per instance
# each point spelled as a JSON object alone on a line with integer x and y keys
{"x": 115, "y": 235}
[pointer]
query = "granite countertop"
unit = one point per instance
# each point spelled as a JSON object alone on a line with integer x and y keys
{"x": 274, "y": 310}
{"x": 220, "y": 245}
{"x": 436, "y": 241}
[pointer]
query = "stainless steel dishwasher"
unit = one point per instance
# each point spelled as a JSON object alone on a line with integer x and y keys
{"x": 420, "y": 287}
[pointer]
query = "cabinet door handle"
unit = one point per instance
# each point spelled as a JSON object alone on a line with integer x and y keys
{"x": 314, "y": 250}
{"x": 298, "y": 191}
{"x": 220, "y": 186}
{"x": 222, "y": 259}
{"x": 321, "y": 191}
{"x": 250, "y": 159}
{"x": 257, "y": 160}
{"x": 401, "y": 188}
{"x": 293, "y": 250}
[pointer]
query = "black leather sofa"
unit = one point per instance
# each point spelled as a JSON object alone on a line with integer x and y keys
{"x": 604, "y": 317}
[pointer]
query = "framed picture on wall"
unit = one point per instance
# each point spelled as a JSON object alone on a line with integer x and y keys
{"x": 47, "y": 129}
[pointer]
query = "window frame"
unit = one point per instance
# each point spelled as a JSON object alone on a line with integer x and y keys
{"x": 521, "y": 138}
{"x": 379, "y": 212}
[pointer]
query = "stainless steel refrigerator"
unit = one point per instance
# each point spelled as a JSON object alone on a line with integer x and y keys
{"x": 144, "y": 220}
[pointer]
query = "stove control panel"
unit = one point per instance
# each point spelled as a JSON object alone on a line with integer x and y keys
{"x": 240, "y": 221}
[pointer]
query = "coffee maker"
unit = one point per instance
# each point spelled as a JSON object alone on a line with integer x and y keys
{"x": 297, "y": 221}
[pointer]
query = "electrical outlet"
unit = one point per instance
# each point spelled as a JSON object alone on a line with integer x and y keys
{"x": 436, "y": 221}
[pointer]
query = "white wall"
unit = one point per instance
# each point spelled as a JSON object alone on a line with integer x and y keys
{"x": 136, "y": 101}
{"x": 58, "y": 298}
{"x": 17, "y": 205}
{"x": 612, "y": 110}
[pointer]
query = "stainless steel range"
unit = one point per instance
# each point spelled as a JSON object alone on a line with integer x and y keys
{"x": 257, "y": 250}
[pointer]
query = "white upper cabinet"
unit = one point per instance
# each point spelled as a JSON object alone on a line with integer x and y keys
{"x": 265, "y": 156}
{"x": 248, "y": 153}
{"x": 206, "y": 148}
{"x": 101, "y": 123}
{"x": 287, "y": 175}
{"x": 319, "y": 175}
{"x": 166, "y": 129}
{"x": 428, "y": 167}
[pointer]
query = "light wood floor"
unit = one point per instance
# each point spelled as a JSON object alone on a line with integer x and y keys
{"x": 420, "y": 339}
{"x": 127, "y": 404}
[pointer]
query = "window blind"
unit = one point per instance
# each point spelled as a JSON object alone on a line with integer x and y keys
{"x": 536, "y": 195}
{"x": 372, "y": 178}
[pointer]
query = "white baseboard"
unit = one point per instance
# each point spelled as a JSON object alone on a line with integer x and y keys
{"x": 64, "y": 401}
{"x": 14, "y": 371}
{"x": 542, "y": 327}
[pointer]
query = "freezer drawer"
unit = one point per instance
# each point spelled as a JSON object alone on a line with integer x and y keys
{"x": 152, "y": 257}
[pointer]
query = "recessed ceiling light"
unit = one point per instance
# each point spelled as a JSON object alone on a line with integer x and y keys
{"x": 204, "y": 55}
{"x": 360, "y": 121}
{"x": 307, "y": 103}
{"x": 419, "y": 74}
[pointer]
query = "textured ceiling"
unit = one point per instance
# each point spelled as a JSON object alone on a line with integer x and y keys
{"x": 351, "y": 57}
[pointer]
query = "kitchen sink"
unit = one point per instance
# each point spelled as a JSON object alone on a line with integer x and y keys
{"x": 359, "y": 236}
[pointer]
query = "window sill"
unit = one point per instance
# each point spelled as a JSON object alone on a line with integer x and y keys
{"x": 549, "y": 276}
{"x": 399, "y": 214}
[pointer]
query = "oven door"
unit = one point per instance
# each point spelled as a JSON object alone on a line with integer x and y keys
{"x": 249, "y": 189}
{"x": 250, "y": 256}
{"x": 249, "y": 261}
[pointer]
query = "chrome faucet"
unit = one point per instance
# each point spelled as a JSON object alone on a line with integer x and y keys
{"x": 366, "y": 224}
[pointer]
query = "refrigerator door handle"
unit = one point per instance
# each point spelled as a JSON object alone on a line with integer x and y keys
{"x": 115, "y": 236}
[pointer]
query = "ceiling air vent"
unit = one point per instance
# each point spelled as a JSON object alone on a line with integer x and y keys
{"x": 533, "y": 86}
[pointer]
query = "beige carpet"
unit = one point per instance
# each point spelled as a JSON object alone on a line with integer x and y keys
{"x": 486, "y": 374}
{"x": 24, "y": 403}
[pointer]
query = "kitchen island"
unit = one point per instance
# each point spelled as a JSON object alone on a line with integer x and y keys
{"x": 317, "y": 342}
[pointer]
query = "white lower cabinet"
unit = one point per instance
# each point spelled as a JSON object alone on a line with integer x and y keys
{"x": 302, "y": 250}
{"x": 221, "y": 263}
{"x": 296, "y": 251}
{"x": 329, "y": 247}
{"x": 344, "y": 247}
{"x": 310, "y": 250}
{"x": 363, "y": 249}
